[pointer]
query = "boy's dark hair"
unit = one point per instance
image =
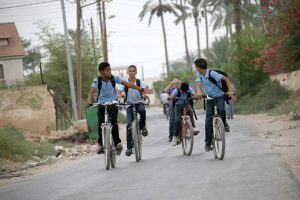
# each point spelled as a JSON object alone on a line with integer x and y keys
{"x": 102, "y": 66}
{"x": 201, "y": 62}
{"x": 184, "y": 87}
{"x": 133, "y": 67}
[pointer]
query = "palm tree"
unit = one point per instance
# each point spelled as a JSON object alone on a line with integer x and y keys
{"x": 183, "y": 18}
{"x": 192, "y": 11}
{"x": 153, "y": 7}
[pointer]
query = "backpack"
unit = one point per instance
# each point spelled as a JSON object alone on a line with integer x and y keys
{"x": 112, "y": 80}
{"x": 189, "y": 95}
{"x": 224, "y": 87}
{"x": 138, "y": 83}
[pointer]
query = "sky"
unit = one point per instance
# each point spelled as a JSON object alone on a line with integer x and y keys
{"x": 130, "y": 41}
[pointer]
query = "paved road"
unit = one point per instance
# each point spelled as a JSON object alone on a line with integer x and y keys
{"x": 250, "y": 170}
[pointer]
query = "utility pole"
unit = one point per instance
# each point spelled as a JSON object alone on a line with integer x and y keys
{"x": 101, "y": 24}
{"x": 105, "y": 50}
{"x": 69, "y": 62}
{"x": 79, "y": 70}
{"x": 93, "y": 40}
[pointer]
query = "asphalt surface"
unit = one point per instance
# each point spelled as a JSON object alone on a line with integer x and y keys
{"x": 250, "y": 170}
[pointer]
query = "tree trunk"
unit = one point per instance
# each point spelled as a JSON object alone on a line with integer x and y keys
{"x": 198, "y": 36}
{"x": 165, "y": 41}
{"x": 79, "y": 75}
{"x": 237, "y": 13}
{"x": 206, "y": 26}
{"x": 188, "y": 58}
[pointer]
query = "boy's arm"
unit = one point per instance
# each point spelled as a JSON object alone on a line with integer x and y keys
{"x": 133, "y": 86}
{"x": 199, "y": 90}
{"x": 120, "y": 94}
{"x": 227, "y": 81}
{"x": 91, "y": 96}
{"x": 168, "y": 87}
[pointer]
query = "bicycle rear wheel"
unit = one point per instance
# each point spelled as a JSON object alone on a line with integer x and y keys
{"x": 187, "y": 137}
{"x": 218, "y": 138}
{"x": 135, "y": 132}
{"x": 107, "y": 147}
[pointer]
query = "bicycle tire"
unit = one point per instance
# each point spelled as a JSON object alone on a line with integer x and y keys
{"x": 113, "y": 153}
{"x": 140, "y": 139}
{"x": 107, "y": 147}
{"x": 188, "y": 139}
{"x": 218, "y": 138}
{"x": 134, "y": 130}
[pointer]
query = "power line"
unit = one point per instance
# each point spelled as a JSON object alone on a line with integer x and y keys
{"x": 30, "y": 4}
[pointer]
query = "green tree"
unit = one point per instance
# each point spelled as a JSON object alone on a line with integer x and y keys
{"x": 33, "y": 56}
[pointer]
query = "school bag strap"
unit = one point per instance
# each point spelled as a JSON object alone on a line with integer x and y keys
{"x": 112, "y": 80}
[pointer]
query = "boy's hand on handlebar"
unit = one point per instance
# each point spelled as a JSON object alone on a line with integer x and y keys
{"x": 229, "y": 94}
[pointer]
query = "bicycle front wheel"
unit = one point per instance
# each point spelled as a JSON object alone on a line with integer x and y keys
{"x": 218, "y": 138}
{"x": 107, "y": 147}
{"x": 187, "y": 137}
{"x": 113, "y": 153}
{"x": 135, "y": 132}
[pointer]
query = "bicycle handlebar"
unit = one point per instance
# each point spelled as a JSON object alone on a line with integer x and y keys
{"x": 141, "y": 102}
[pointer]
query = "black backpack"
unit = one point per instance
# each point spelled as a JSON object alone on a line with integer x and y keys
{"x": 189, "y": 95}
{"x": 112, "y": 80}
{"x": 138, "y": 83}
{"x": 224, "y": 87}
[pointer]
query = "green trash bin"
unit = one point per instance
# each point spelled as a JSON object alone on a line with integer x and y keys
{"x": 91, "y": 115}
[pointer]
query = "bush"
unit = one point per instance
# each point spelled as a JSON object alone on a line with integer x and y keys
{"x": 14, "y": 146}
{"x": 270, "y": 95}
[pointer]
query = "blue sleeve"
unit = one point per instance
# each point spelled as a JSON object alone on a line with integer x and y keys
{"x": 191, "y": 90}
{"x": 216, "y": 75}
{"x": 95, "y": 83}
{"x": 174, "y": 93}
{"x": 117, "y": 79}
{"x": 199, "y": 77}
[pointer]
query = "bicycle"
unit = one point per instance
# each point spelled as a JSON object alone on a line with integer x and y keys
{"x": 108, "y": 143}
{"x": 136, "y": 133}
{"x": 187, "y": 132}
{"x": 218, "y": 136}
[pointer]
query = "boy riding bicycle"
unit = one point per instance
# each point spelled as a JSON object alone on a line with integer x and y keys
{"x": 135, "y": 97}
{"x": 105, "y": 86}
{"x": 206, "y": 86}
{"x": 184, "y": 95}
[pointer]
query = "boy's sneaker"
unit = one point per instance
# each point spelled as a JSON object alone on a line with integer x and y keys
{"x": 128, "y": 152}
{"x": 144, "y": 132}
{"x": 196, "y": 131}
{"x": 208, "y": 148}
{"x": 174, "y": 141}
{"x": 170, "y": 139}
{"x": 227, "y": 128}
{"x": 119, "y": 148}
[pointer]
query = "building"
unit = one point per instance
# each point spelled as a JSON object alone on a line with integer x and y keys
{"x": 11, "y": 54}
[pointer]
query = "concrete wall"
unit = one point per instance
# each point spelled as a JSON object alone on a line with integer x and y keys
{"x": 13, "y": 70}
{"x": 30, "y": 108}
{"x": 289, "y": 80}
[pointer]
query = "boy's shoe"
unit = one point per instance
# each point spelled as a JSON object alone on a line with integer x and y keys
{"x": 174, "y": 141}
{"x": 144, "y": 132}
{"x": 179, "y": 139}
{"x": 227, "y": 128}
{"x": 208, "y": 148}
{"x": 128, "y": 152}
{"x": 196, "y": 131}
{"x": 119, "y": 148}
{"x": 170, "y": 139}
{"x": 100, "y": 150}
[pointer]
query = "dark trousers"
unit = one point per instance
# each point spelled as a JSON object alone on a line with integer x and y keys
{"x": 220, "y": 102}
{"x": 140, "y": 108}
{"x": 171, "y": 121}
{"x": 113, "y": 115}
{"x": 178, "y": 118}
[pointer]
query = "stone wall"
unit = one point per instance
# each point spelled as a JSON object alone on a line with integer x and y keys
{"x": 289, "y": 80}
{"x": 28, "y": 108}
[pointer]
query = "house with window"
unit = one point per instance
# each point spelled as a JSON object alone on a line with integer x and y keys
{"x": 11, "y": 54}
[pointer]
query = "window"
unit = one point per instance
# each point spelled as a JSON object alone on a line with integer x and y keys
{"x": 1, "y": 72}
